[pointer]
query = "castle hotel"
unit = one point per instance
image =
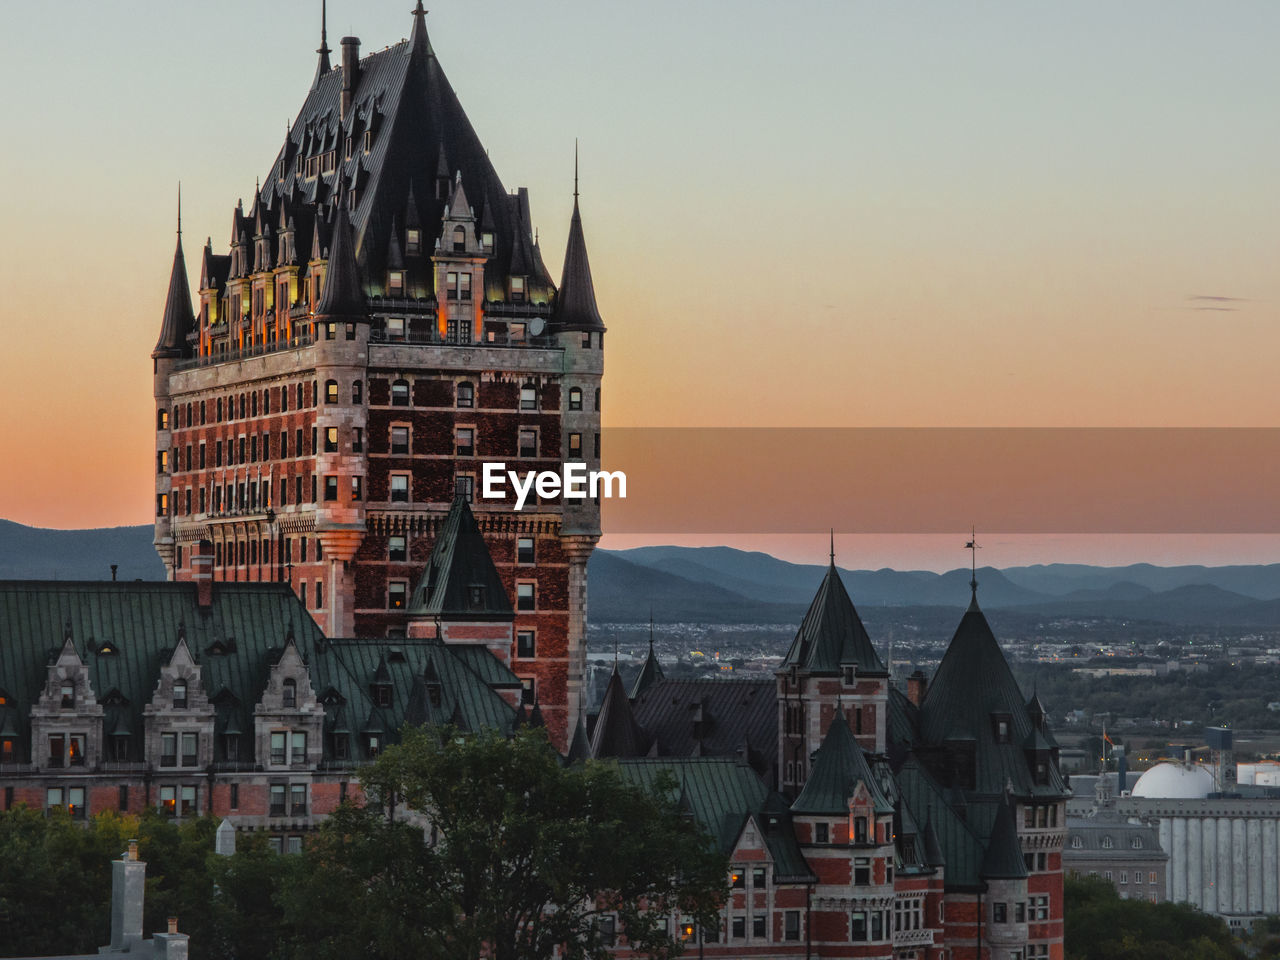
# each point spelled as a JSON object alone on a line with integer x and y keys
{"x": 380, "y": 325}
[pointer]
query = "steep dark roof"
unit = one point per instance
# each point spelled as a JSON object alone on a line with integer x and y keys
{"x": 713, "y": 718}
{"x": 831, "y": 634}
{"x": 179, "y": 318}
{"x": 971, "y": 689}
{"x": 342, "y": 295}
{"x": 1003, "y": 859}
{"x": 459, "y": 567}
{"x": 838, "y": 766}
{"x": 407, "y": 104}
{"x": 932, "y": 849}
{"x": 580, "y": 746}
{"x": 957, "y": 842}
{"x": 649, "y": 674}
{"x": 576, "y": 301}
{"x": 616, "y": 733}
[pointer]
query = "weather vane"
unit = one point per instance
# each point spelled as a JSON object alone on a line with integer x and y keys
{"x": 973, "y": 547}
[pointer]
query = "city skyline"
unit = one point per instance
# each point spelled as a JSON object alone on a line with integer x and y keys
{"x": 1002, "y": 238}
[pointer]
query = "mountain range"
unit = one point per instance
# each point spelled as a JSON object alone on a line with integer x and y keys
{"x": 725, "y": 585}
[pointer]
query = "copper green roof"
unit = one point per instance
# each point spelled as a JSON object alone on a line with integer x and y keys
{"x": 971, "y": 692}
{"x": 831, "y": 635}
{"x": 838, "y": 766}
{"x": 460, "y": 581}
{"x": 955, "y": 840}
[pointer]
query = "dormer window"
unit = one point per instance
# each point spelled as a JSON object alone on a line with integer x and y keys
{"x": 68, "y": 696}
{"x": 374, "y": 745}
{"x": 395, "y": 282}
{"x": 458, "y": 286}
{"x": 289, "y": 693}
{"x": 346, "y": 149}
{"x": 395, "y": 328}
{"x": 368, "y": 140}
{"x": 1001, "y": 724}
{"x": 486, "y": 242}
{"x": 1076, "y": 843}
{"x": 848, "y": 676}
{"x": 859, "y": 829}
{"x": 475, "y": 595}
{"x": 1107, "y": 843}
{"x": 517, "y": 289}
{"x": 180, "y": 694}
{"x": 459, "y": 240}
{"x": 412, "y": 240}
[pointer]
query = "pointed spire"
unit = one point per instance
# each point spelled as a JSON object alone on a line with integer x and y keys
{"x": 1003, "y": 859}
{"x": 833, "y": 546}
{"x": 323, "y": 66}
{"x": 576, "y": 301}
{"x": 418, "y": 37}
{"x": 179, "y": 317}
{"x": 973, "y": 547}
{"x": 838, "y": 767}
{"x": 460, "y": 581}
{"x": 617, "y": 734}
{"x": 580, "y": 747}
{"x": 342, "y": 295}
{"x": 651, "y": 671}
{"x": 832, "y": 635}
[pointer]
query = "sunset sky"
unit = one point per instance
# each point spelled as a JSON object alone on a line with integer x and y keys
{"x": 802, "y": 214}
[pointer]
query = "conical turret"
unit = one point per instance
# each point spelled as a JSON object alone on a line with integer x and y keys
{"x": 576, "y": 301}
{"x": 179, "y": 318}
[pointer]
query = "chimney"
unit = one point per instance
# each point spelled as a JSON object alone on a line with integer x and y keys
{"x": 202, "y": 573}
{"x": 224, "y": 840}
{"x": 917, "y": 684}
{"x": 128, "y": 880}
{"x": 350, "y": 73}
{"x": 170, "y": 945}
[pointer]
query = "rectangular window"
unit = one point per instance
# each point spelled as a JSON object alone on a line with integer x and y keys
{"x": 298, "y": 800}
{"x": 397, "y": 594}
{"x": 466, "y": 441}
{"x": 820, "y": 833}
{"x": 529, "y": 691}
{"x": 397, "y": 550}
{"x": 525, "y": 599}
{"x": 791, "y": 925}
{"x": 528, "y": 442}
{"x": 528, "y": 398}
{"x": 278, "y": 736}
{"x": 999, "y": 913}
{"x": 168, "y": 749}
{"x": 319, "y": 595}
{"x": 738, "y": 928}
{"x": 75, "y": 749}
{"x": 400, "y": 440}
{"x": 466, "y": 395}
{"x": 188, "y": 795}
{"x": 357, "y": 439}
{"x": 395, "y": 328}
{"x": 758, "y": 925}
{"x": 524, "y": 550}
{"x": 858, "y": 926}
{"x": 575, "y": 446}
{"x": 298, "y": 748}
{"x": 331, "y": 487}
{"x": 169, "y": 800}
{"x": 57, "y": 750}
{"x": 517, "y": 289}
{"x": 190, "y": 749}
{"x": 526, "y": 644}
{"x": 464, "y": 485}
{"x": 277, "y": 800}
{"x": 357, "y": 489}
{"x": 399, "y": 488}
{"x": 330, "y": 439}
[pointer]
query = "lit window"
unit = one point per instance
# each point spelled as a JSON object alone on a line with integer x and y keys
{"x": 331, "y": 391}
{"x": 575, "y": 445}
{"x": 357, "y": 489}
{"x": 397, "y": 592}
{"x": 330, "y": 439}
{"x": 486, "y": 241}
{"x": 395, "y": 282}
{"x": 75, "y": 749}
{"x": 169, "y": 800}
{"x": 412, "y": 240}
{"x": 395, "y": 328}
{"x": 517, "y": 289}
{"x": 458, "y": 286}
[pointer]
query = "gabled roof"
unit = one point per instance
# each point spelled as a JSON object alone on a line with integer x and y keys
{"x": 973, "y": 687}
{"x": 179, "y": 318}
{"x": 832, "y": 635}
{"x": 721, "y": 794}
{"x": 838, "y": 767}
{"x": 1003, "y": 859}
{"x": 460, "y": 581}
{"x": 616, "y": 733}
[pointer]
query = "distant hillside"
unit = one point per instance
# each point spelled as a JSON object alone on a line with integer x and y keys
{"x": 32, "y": 553}
{"x": 723, "y": 585}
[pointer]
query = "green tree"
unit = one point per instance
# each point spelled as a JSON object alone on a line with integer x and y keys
{"x": 523, "y": 857}
{"x": 1102, "y": 926}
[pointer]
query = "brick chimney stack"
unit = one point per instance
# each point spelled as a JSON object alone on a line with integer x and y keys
{"x": 202, "y": 573}
{"x": 350, "y": 72}
{"x": 917, "y": 684}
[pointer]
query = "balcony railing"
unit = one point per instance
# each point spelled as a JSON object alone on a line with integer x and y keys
{"x": 256, "y": 350}
{"x": 433, "y": 338}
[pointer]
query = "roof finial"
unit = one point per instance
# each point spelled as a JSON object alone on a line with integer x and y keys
{"x": 833, "y": 546}
{"x": 651, "y": 629}
{"x": 615, "y": 653}
{"x": 323, "y": 66}
{"x": 418, "y": 36}
{"x": 973, "y": 547}
{"x": 179, "y": 209}
{"x": 575, "y": 171}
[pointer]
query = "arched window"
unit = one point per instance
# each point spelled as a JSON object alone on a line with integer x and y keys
{"x": 253, "y": 403}
{"x": 1076, "y": 843}
{"x": 357, "y": 392}
{"x": 459, "y": 240}
{"x": 575, "y": 398}
{"x": 1107, "y": 843}
{"x": 597, "y": 399}
{"x": 400, "y": 393}
{"x": 290, "y": 693}
{"x": 299, "y": 404}
{"x": 243, "y": 407}
{"x": 1136, "y": 843}
{"x": 180, "y": 694}
{"x": 266, "y": 401}
{"x": 466, "y": 395}
{"x": 331, "y": 391}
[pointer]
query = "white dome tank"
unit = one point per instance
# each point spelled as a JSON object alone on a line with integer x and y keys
{"x": 1175, "y": 781}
